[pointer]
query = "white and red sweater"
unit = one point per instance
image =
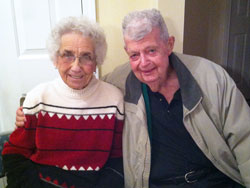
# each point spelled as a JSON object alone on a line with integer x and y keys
{"x": 76, "y": 130}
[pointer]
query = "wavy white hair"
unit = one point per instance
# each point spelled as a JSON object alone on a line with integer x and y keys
{"x": 137, "y": 24}
{"x": 79, "y": 25}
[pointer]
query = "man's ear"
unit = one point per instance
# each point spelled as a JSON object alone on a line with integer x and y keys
{"x": 170, "y": 45}
{"x": 125, "y": 48}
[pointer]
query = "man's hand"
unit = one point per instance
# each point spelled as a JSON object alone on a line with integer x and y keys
{"x": 20, "y": 117}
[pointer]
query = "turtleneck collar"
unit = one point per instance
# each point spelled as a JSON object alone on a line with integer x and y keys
{"x": 75, "y": 93}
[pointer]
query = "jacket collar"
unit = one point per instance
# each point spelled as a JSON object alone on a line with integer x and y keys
{"x": 190, "y": 90}
{"x": 133, "y": 89}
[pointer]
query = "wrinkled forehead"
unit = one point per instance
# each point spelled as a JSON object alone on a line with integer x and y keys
{"x": 76, "y": 42}
{"x": 151, "y": 38}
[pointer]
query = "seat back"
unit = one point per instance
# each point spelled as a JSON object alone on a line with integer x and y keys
{"x": 4, "y": 137}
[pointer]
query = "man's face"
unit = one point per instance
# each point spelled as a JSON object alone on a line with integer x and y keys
{"x": 76, "y": 73}
{"x": 149, "y": 58}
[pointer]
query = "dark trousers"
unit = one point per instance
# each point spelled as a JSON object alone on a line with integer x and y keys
{"x": 213, "y": 180}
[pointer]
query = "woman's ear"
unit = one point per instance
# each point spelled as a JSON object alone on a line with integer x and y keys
{"x": 55, "y": 62}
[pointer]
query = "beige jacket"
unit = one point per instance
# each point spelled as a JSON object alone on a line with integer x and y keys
{"x": 215, "y": 114}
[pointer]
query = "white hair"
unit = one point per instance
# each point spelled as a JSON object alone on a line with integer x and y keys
{"x": 79, "y": 25}
{"x": 137, "y": 24}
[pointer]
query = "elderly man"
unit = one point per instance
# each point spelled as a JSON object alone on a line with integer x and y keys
{"x": 186, "y": 123}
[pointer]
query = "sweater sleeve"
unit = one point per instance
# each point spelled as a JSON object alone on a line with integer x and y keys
{"x": 22, "y": 140}
{"x": 20, "y": 170}
{"x": 116, "y": 150}
{"x": 111, "y": 175}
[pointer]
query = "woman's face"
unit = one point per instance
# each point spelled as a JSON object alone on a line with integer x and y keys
{"x": 75, "y": 60}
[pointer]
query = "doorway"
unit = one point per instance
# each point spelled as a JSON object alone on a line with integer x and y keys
{"x": 220, "y": 32}
{"x": 24, "y": 59}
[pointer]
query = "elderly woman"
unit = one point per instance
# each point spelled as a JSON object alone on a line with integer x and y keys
{"x": 73, "y": 130}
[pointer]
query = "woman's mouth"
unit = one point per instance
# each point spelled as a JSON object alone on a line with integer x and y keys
{"x": 76, "y": 77}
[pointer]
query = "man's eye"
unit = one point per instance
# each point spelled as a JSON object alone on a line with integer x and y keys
{"x": 152, "y": 51}
{"x": 133, "y": 57}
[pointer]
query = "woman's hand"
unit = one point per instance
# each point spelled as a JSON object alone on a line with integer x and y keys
{"x": 20, "y": 117}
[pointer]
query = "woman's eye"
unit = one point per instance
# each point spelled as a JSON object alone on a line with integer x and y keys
{"x": 86, "y": 57}
{"x": 69, "y": 56}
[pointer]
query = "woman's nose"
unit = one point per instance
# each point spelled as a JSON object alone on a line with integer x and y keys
{"x": 76, "y": 65}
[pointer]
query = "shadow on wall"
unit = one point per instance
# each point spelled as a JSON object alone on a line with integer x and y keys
{"x": 248, "y": 101}
{"x": 116, "y": 54}
{"x": 178, "y": 45}
{"x": 242, "y": 82}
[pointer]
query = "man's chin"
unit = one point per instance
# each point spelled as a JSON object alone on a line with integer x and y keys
{"x": 153, "y": 85}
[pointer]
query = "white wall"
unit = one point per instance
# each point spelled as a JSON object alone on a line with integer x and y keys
{"x": 25, "y": 25}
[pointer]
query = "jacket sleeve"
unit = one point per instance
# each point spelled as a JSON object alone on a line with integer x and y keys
{"x": 118, "y": 76}
{"x": 236, "y": 129}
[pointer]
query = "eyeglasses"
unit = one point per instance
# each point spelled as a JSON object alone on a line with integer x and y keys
{"x": 85, "y": 59}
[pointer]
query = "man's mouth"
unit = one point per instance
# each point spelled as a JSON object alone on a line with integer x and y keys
{"x": 147, "y": 72}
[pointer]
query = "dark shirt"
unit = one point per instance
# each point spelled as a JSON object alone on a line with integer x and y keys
{"x": 174, "y": 152}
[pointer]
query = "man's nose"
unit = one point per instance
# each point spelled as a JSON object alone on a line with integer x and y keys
{"x": 144, "y": 60}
